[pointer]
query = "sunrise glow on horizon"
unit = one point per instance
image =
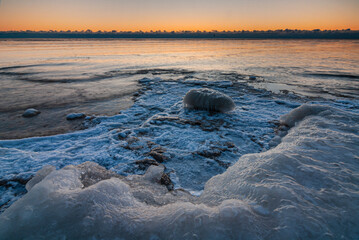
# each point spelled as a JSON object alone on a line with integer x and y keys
{"x": 125, "y": 15}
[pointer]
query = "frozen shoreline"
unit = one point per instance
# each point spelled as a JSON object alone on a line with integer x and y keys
{"x": 197, "y": 145}
{"x": 302, "y": 188}
{"x": 194, "y": 145}
{"x": 254, "y": 173}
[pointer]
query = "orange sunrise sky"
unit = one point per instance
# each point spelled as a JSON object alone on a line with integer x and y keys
{"x": 132, "y": 15}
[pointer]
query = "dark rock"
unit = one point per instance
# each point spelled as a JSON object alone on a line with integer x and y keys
{"x": 133, "y": 144}
{"x": 166, "y": 180}
{"x": 230, "y": 145}
{"x": 144, "y": 164}
{"x": 213, "y": 153}
{"x": 211, "y": 126}
{"x": 158, "y": 156}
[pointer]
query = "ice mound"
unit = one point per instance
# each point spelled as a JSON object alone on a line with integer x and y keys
{"x": 31, "y": 112}
{"x": 40, "y": 175}
{"x": 300, "y": 113}
{"x": 208, "y": 99}
{"x": 74, "y": 116}
{"x": 305, "y": 188}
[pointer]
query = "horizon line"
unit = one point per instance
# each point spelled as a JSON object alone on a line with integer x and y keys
{"x": 179, "y": 31}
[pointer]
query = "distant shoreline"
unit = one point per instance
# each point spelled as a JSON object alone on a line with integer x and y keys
{"x": 277, "y": 34}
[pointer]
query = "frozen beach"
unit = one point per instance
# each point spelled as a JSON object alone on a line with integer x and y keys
{"x": 282, "y": 165}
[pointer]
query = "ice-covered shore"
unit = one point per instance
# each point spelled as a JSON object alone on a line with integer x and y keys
{"x": 292, "y": 175}
{"x": 193, "y": 145}
{"x": 307, "y": 187}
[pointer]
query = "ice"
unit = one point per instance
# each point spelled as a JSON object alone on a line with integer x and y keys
{"x": 40, "y": 175}
{"x": 306, "y": 187}
{"x": 301, "y": 112}
{"x": 31, "y": 112}
{"x": 192, "y": 145}
{"x": 155, "y": 158}
{"x": 154, "y": 173}
{"x": 195, "y": 145}
{"x": 73, "y": 116}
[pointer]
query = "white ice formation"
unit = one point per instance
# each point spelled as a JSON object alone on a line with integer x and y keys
{"x": 307, "y": 187}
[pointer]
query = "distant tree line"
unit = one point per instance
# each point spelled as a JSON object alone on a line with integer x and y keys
{"x": 269, "y": 34}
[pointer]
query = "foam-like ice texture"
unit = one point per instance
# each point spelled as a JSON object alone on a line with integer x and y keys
{"x": 208, "y": 99}
{"x": 305, "y": 188}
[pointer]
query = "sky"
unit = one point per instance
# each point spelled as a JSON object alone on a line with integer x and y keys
{"x": 146, "y": 15}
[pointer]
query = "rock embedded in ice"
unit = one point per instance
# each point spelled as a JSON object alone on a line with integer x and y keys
{"x": 146, "y": 163}
{"x": 166, "y": 180}
{"x": 73, "y": 116}
{"x": 209, "y": 100}
{"x": 158, "y": 154}
{"x": 31, "y": 112}
{"x": 252, "y": 77}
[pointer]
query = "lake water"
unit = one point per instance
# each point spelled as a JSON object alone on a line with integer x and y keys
{"x": 97, "y": 76}
{"x": 282, "y": 165}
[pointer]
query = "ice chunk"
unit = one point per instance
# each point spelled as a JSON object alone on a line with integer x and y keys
{"x": 154, "y": 173}
{"x": 208, "y": 99}
{"x": 300, "y": 113}
{"x": 73, "y": 116}
{"x": 40, "y": 175}
{"x": 31, "y": 112}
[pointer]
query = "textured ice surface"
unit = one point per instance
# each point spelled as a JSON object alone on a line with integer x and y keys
{"x": 208, "y": 99}
{"x": 193, "y": 145}
{"x": 307, "y": 187}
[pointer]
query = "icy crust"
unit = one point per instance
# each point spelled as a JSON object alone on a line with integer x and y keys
{"x": 193, "y": 145}
{"x": 305, "y": 188}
